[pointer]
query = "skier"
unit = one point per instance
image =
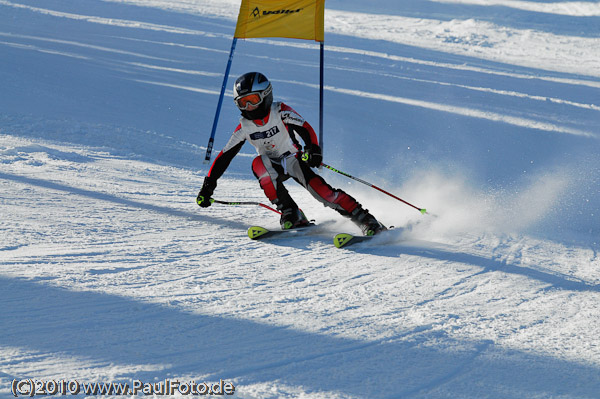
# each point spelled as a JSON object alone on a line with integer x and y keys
{"x": 275, "y": 130}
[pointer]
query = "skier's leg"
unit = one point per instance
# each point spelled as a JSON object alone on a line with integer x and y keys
{"x": 336, "y": 199}
{"x": 271, "y": 177}
{"x": 318, "y": 188}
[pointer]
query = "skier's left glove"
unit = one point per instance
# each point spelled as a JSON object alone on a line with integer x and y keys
{"x": 312, "y": 155}
{"x": 204, "y": 196}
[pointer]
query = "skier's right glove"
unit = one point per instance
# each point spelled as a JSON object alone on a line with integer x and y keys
{"x": 204, "y": 196}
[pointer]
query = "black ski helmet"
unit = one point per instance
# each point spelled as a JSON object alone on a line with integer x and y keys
{"x": 250, "y": 90}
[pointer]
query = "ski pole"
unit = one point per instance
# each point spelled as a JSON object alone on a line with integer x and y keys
{"x": 422, "y": 210}
{"x": 244, "y": 203}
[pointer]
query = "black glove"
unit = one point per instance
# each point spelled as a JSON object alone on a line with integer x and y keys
{"x": 204, "y": 196}
{"x": 312, "y": 155}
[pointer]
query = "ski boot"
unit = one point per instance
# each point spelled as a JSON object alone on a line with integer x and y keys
{"x": 293, "y": 218}
{"x": 367, "y": 222}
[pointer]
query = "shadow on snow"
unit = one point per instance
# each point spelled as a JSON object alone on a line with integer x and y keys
{"x": 114, "y": 330}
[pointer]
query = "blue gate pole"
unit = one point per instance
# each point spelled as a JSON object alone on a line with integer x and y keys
{"x": 211, "y": 141}
{"x": 321, "y": 98}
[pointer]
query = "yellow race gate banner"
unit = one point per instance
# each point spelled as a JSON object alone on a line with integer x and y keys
{"x": 292, "y": 19}
{"x": 295, "y": 19}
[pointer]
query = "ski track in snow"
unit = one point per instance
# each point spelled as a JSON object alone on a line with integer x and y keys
{"x": 110, "y": 271}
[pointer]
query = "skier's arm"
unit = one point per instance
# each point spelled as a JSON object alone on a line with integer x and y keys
{"x": 219, "y": 167}
{"x": 312, "y": 151}
{"x": 296, "y": 124}
{"x": 306, "y": 133}
{"x": 223, "y": 160}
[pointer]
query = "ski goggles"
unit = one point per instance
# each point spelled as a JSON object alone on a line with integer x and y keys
{"x": 251, "y": 99}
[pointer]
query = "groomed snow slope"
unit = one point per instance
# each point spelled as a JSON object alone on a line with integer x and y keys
{"x": 110, "y": 272}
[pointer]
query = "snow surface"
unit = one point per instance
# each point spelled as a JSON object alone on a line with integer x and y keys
{"x": 487, "y": 113}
